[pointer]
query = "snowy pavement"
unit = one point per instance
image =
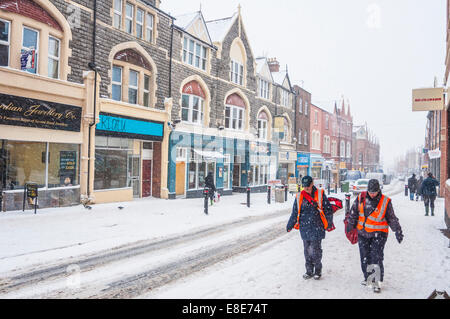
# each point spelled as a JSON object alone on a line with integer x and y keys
{"x": 413, "y": 269}
{"x": 235, "y": 252}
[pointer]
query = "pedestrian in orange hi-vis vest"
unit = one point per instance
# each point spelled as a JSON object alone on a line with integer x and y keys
{"x": 372, "y": 214}
{"x": 312, "y": 214}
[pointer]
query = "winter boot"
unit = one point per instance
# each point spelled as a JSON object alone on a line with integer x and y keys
{"x": 364, "y": 282}
{"x": 317, "y": 275}
{"x": 307, "y": 276}
{"x": 426, "y": 210}
{"x": 377, "y": 286}
{"x": 432, "y": 211}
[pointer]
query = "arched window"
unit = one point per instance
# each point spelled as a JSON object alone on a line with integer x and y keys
{"x": 34, "y": 37}
{"x": 349, "y": 150}
{"x": 342, "y": 149}
{"x": 234, "y": 112}
{"x": 263, "y": 121}
{"x": 131, "y": 78}
{"x": 238, "y": 58}
{"x": 193, "y": 103}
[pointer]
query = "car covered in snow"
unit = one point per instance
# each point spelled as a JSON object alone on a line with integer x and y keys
{"x": 360, "y": 186}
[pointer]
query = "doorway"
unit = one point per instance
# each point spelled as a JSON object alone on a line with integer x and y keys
{"x": 147, "y": 169}
{"x": 236, "y": 175}
{"x": 134, "y": 162}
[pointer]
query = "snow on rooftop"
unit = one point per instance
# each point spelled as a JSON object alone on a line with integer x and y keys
{"x": 278, "y": 77}
{"x": 219, "y": 28}
{"x": 183, "y": 21}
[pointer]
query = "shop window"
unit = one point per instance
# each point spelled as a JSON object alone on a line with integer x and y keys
{"x": 140, "y": 23}
{"x": 30, "y": 44}
{"x": 118, "y": 14}
{"x": 53, "y": 57}
{"x": 117, "y": 83}
{"x": 4, "y": 42}
{"x": 199, "y": 168}
{"x": 149, "y": 27}
{"x": 63, "y": 165}
{"x": 129, "y": 17}
{"x": 47, "y": 164}
{"x": 111, "y": 158}
{"x": 133, "y": 87}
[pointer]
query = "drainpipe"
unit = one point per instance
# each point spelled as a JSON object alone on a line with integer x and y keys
{"x": 92, "y": 65}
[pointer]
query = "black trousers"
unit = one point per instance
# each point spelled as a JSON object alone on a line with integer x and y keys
{"x": 429, "y": 201}
{"x": 313, "y": 256}
{"x": 372, "y": 253}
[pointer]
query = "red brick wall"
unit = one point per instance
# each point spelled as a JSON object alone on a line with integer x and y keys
{"x": 156, "y": 179}
{"x": 31, "y": 10}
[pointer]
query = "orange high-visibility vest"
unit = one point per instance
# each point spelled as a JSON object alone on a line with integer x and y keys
{"x": 318, "y": 198}
{"x": 375, "y": 222}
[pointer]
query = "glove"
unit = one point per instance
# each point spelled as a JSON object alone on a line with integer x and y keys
{"x": 331, "y": 227}
{"x": 399, "y": 236}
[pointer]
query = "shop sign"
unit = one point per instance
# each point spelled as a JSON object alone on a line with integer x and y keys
{"x": 302, "y": 160}
{"x": 128, "y": 127}
{"x": 21, "y": 111}
{"x": 431, "y": 99}
{"x": 434, "y": 154}
{"x": 317, "y": 164}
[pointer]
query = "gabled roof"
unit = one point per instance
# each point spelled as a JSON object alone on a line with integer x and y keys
{"x": 280, "y": 77}
{"x": 218, "y": 29}
{"x": 260, "y": 64}
{"x": 186, "y": 21}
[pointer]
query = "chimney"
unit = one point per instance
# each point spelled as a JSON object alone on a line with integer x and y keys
{"x": 274, "y": 65}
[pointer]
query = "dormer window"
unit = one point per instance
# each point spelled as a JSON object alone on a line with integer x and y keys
{"x": 194, "y": 53}
{"x": 263, "y": 89}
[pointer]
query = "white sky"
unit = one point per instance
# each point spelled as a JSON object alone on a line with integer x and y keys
{"x": 372, "y": 52}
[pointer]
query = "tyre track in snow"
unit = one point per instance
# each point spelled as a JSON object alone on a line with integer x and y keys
{"x": 141, "y": 283}
{"x": 89, "y": 262}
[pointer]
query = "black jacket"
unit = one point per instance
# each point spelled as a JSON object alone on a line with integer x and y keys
{"x": 428, "y": 187}
{"x": 412, "y": 184}
{"x": 311, "y": 225}
{"x": 209, "y": 182}
{"x": 371, "y": 205}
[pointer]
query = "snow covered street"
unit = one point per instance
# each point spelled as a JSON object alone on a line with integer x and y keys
{"x": 170, "y": 249}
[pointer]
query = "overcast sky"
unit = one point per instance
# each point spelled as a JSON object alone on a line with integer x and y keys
{"x": 372, "y": 52}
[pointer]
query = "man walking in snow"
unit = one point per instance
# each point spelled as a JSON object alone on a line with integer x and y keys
{"x": 412, "y": 185}
{"x": 372, "y": 214}
{"x": 312, "y": 214}
{"x": 428, "y": 191}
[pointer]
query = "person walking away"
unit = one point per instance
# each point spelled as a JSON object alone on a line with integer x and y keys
{"x": 419, "y": 185}
{"x": 209, "y": 182}
{"x": 372, "y": 214}
{"x": 428, "y": 191}
{"x": 312, "y": 214}
{"x": 412, "y": 185}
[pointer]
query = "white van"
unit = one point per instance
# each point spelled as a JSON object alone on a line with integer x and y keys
{"x": 378, "y": 176}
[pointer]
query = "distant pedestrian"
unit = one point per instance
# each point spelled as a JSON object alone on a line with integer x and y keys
{"x": 419, "y": 185}
{"x": 412, "y": 185}
{"x": 372, "y": 214}
{"x": 428, "y": 191}
{"x": 209, "y": 183}
{"x": 312, "y": 214}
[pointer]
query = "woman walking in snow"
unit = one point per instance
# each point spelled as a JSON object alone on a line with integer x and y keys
{"x": 372, "y": 214}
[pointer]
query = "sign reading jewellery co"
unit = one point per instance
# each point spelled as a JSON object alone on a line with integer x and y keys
{"x": 124, "y": 126}
{"x": 21, "y": 111}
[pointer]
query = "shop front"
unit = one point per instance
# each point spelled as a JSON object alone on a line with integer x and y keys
{"x": 287, "y": 161}
{"x": 234, "y": 163}
{"x": 303, "y": 163}
{"x": 316, "y": 166}
{"x": 39, "y": 143}
{"x": 127, "y": 153}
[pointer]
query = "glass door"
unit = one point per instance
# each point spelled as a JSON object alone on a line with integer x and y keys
{"x": 226, "y": 176}
{"x": 134, "y": 176}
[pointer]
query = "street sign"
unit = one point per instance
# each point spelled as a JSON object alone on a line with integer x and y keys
{"x": 431, "y": 99}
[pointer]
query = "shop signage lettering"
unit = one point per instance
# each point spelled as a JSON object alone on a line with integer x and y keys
{"x": 20, "y": 111}
{"x": 122, "y": 126}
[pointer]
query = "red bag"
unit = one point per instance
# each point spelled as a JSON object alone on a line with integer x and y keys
{"x": 336, "y": 204}
{"x": 352, "y": 236}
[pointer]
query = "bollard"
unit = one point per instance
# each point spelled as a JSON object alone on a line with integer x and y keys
{"x": 335, "y": 188}
{"x": 205, "y": 194}
{"x": 406, "y": 190}
{"x": 285, "y": 192}
{"x": 248, "y": 197}
{"x": 329, "y": 191}
{"x": 347, "y": 203}
{"x": 269, "y": 195}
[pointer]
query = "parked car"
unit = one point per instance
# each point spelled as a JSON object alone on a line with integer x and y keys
{"x": 378, "y": 176}
{"x": 352, "y": 177}
{"x": 360, "y": 186}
